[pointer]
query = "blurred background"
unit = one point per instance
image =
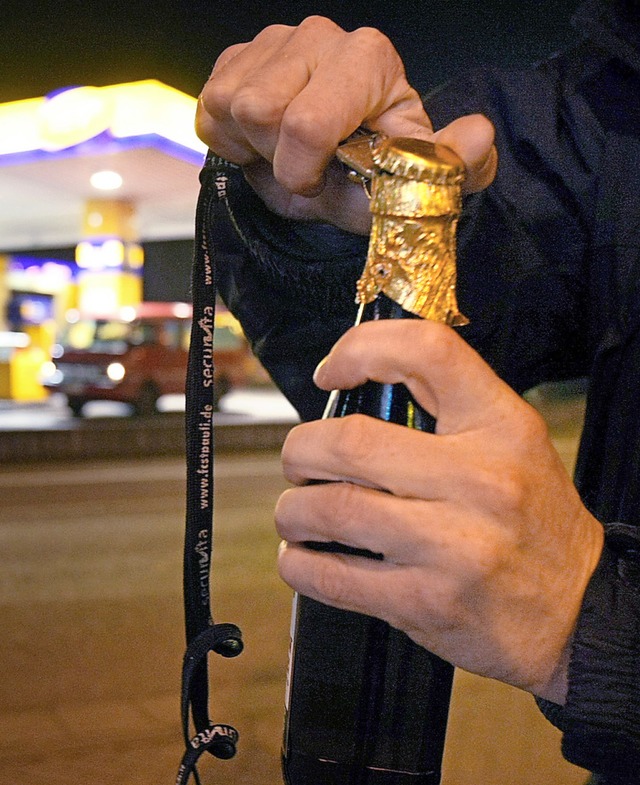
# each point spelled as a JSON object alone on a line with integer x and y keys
{"x": 98, "y": 183}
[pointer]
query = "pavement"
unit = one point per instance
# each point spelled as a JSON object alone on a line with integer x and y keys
{"x": 260, "y": 404}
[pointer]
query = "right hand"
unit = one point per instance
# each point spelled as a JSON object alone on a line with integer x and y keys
{"x": 487, "y": 546}
{"x": 280, "y": 106}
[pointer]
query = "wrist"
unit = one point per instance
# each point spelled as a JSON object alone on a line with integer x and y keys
{"x": 556, "y": 685}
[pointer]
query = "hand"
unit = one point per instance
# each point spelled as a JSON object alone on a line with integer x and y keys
{"x": 487, "y": 546}
{"x": 280, "y": 105}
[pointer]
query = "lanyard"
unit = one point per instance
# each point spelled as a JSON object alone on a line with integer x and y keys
{"x": 203, "y": 635}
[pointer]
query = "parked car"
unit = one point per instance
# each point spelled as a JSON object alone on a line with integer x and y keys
{"x": 139, "y": 354}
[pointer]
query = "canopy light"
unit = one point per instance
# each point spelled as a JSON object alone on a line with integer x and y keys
{"x": 106, "y": 180}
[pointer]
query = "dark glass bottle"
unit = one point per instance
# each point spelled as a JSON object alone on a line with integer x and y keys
{"x": 365, "y": 705}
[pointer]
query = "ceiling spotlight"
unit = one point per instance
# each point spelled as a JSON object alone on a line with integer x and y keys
{"x": 106, "y": 180}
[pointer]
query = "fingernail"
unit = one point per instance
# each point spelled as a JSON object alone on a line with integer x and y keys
{"x": 318, "y": 373}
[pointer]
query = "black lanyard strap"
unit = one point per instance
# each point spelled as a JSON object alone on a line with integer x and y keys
{"x": 203, "y": 635}
{"x": 218, "y": 739}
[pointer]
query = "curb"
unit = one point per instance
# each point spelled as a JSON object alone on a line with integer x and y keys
{"x": 131, "y": 438}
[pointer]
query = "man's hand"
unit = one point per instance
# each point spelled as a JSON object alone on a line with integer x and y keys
{"x": 487, "y": 546}
{"x": 280, "y": 106}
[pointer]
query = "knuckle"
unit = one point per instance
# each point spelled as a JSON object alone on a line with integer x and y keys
{"x": 341, "y": 507}
{"x": 318, "y": 25}
{"x": 308, "y": 125}
{"x": 438, "y": 342}
{"x": 533, "y": 428}
{"x": 272, "y": 38}
{"x": 330, "y": 581}
{"x": 354, "y": 443}
{"x": 489, "y": 558}
{"x": 216, "y": 97}
{"x": 254, "y": 107}
{"x": 226, "y": 57}
{"x": 274, "y": 32}
{"x": 374, "y": 45}
{"x": 439, "y": 606}
{"x": 446, "y": 341}
{"x": 371, "y": 40}
{"x": 505, "y": 484}
{"x": 503, "y": 490}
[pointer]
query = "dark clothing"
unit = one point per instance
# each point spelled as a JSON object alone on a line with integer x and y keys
{"x": 549, "y": 262}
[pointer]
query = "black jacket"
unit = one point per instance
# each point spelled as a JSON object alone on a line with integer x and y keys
{"x": 549, "y": 263}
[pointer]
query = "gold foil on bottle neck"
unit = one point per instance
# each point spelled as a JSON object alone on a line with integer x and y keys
{"x": 415, "y": 201}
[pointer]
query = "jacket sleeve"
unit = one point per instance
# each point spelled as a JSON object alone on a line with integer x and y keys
{"x": 601, "y": 718}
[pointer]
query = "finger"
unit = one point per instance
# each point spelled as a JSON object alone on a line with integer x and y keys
{"x": 351, "y": 583}
{"x": 215, "y": 121}
{"x": 472, "y": 138}
{"x": 357, "y": 80}
{"x": 208, "y": 116}
{"x": 315, "y": 90}
{"x": 399, "y": 529}
{"x": 384, "y": 456}
{"x": 341, "y": 202}
{"x": 441, "y": 538}
{"x": 375, "y": 588}
{"x": 248, "y": 95}
{"x": 445, "y": 375}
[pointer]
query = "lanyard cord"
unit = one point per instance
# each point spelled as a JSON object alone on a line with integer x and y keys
{"x": 203, "y": 635}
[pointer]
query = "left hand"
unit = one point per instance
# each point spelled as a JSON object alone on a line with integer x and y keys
{"x": 487, "y": 546}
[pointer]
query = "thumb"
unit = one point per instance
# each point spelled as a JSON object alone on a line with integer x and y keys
{"x": 472, "y": 138}
{"x": 444, "y": 374}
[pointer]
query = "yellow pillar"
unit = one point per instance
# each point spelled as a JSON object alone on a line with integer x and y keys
{"x": 109, "y": 257}
{"x": 5, "y": 354}
{"x": 4, "y": 290}
{"x": 20, "y": 362}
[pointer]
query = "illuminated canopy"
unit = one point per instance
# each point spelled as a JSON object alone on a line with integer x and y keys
{"x": 135, "y": 114}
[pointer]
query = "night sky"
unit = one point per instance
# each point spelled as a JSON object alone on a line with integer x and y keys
{"x": 46, "y": 45}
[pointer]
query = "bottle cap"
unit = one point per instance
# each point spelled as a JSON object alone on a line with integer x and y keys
{"x": 415, "y": 202}
{"x": 416, "y": 159}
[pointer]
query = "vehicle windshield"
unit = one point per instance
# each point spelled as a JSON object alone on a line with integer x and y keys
{"x": 98, "y": 335}
{"x": 116, "y": 336}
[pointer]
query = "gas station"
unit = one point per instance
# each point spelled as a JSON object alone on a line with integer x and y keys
{"x": 99, "y": 170}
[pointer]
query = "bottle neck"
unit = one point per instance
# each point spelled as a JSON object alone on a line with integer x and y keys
{"x": 382, "y": 307}
{"x": 390, "y": 402}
